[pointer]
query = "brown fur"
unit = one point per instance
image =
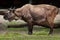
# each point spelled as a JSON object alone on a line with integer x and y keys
{"x": 37, "y": 15}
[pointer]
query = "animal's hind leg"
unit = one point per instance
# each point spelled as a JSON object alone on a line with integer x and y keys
{"x": 51, "y": 25}
{"x": 51, "y": 28}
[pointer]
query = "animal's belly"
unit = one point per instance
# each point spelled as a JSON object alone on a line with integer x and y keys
{"x": 57, "y": 19}
{"x": 40, "y": 22}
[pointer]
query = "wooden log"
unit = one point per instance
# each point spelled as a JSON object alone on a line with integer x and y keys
{"x": 57, "y": 25}
{"x": 17, "y": 26}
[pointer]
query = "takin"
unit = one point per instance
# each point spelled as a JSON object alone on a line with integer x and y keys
{"x": 42, "y": 14}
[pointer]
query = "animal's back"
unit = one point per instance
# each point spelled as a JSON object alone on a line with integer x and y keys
{"x": 38, "y": 12}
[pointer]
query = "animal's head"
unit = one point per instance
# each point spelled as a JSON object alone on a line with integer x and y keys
{"x": 10, "y": 15}
{"x": 13, "y": 14}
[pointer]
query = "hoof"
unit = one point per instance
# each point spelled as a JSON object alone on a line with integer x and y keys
{"x": 29, "y": 33}
{"x": 50, "y": 33}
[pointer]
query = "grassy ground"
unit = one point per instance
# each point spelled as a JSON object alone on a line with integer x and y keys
{"x": 39, "y": 33}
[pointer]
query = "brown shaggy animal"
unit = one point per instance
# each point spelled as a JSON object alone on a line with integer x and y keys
{"x": 42, "y": 15}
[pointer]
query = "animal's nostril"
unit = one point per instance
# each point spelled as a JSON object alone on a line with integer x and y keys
{"x": 5, "y": 18}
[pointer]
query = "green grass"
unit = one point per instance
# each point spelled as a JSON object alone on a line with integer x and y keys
{"x": 39, "y": 33}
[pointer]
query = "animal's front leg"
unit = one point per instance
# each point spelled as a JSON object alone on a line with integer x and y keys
{"x": 30, "y": 27}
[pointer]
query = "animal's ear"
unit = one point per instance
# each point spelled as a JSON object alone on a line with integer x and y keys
{"x": 14, "y": 8}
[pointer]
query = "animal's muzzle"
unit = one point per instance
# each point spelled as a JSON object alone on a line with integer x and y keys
{"x": 5, "y": 18}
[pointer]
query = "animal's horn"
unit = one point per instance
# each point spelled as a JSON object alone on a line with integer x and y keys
{"x": 14, "y": 7}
